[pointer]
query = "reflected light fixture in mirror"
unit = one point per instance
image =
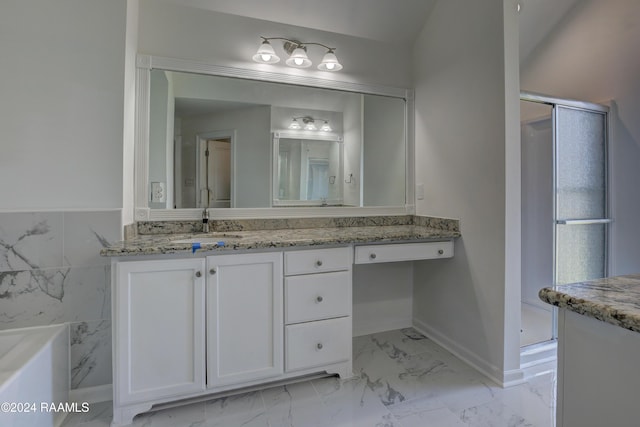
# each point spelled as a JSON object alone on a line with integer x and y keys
{"x": 309, "y": 124}
{"x": 297, "y": 52}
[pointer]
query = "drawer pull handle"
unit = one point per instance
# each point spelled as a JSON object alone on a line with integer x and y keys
{"x": 372, "y": 256}
{"x": 319, "y": 346}
{"x": 198, "y": 274}
{"x": 212, "y": 271}
{"x": 319, "y": 298}
{"x": 440, "y": 251}
{"x": 319, "y": 263}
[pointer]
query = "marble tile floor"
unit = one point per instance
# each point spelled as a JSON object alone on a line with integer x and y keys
{"x": 402, "y": 380}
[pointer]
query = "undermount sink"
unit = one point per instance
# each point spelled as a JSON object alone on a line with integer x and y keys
{"x": 208, "y": 240}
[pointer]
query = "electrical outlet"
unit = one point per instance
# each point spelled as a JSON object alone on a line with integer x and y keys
{"x": 158, "y": 192}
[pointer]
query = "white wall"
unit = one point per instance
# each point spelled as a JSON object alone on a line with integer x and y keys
{"x": 61, "y": 113}
{"x": 593, "y": 56}
{"x": 66, "y": 106}
{"x": 230, "y": 40}
{"x": 466, "y": 134}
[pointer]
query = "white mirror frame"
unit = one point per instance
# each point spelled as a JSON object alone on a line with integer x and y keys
{"x": 144, "y": 65}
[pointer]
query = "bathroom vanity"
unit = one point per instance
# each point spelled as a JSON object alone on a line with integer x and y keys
{"x": 196, "y": 315}
{"x": 598, "y": 350}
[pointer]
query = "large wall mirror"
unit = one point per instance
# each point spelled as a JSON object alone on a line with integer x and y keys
{"x": 240, "y": 142}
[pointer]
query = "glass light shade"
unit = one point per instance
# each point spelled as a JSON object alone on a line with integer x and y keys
{"x": 310, "y": 126}
{"x": 298, "y": 59}
{"x": 325, "y": 127}
{"x": 329, "y": 63}
{"x": 295, "y": 124}
{"x": 266, "y": 54}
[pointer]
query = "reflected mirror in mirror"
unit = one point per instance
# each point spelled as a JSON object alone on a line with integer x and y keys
{"x": 210, "y": 144}
{"x": 307, "y": 171}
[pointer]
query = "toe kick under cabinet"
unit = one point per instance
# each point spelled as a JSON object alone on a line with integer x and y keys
{"x": 185, "y": 328}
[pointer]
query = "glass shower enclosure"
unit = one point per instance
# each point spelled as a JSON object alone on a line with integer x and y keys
{"x": 564, "y": 202}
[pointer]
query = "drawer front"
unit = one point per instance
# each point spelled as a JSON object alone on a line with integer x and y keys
{"x": 317, "y": 296}
{"x": 317, "y": 261}
{"x": 320, "y": 343}
{"x": 371, "y": 254}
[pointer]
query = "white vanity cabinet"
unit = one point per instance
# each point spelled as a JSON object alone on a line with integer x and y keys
{"x": 185, "y": 328}
{"x": 159, "y": 333}
{"x": 318, "y": 331}
{"x": 244, "y": 318}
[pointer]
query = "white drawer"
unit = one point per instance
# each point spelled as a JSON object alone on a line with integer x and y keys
{"x": 318, "y": 343}
{"x": 317, "y": 261}
{"x": 317, "y": 296}
{"x": 371, "y": 254}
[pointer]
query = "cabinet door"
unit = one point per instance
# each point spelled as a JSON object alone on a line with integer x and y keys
{"x": 244, "y": 318}
{"x": 159, "y": 327}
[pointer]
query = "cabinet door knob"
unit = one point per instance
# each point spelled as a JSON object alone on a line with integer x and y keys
{"x": 319, "y": 263}
{"x": 372, "y": 256}
{"x": 212, "y": 271}
{"x": 440, "y": 251}
{"x": 319, "y": 346}
{"x": 198, "y": 274}
{"x": 319, "y": 298}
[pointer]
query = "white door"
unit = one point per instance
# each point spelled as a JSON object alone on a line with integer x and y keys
{"x": 216, "y": 177}
{"x": 159, "y": 329}
{"x": 244, "y": 318}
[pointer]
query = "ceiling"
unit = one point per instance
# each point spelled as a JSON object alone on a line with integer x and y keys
{"x": 394, "y": 21}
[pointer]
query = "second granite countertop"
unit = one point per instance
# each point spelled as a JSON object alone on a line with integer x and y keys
{"x": 278, "y": 238}
{"x": 615, "y": 300}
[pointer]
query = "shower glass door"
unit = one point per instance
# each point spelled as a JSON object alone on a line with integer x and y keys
{"x": 581, "y": 195}
{"x": 564, "y": 203}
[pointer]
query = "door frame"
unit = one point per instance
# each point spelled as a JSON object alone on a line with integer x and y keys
{"x": 201, "y": 146}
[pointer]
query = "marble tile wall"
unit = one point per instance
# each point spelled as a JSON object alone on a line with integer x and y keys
{"x": 51, "y": 272}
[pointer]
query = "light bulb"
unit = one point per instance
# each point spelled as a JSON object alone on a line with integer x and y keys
{"x": 294, "y": 124}
{"x": 266, "y": 54}
{"x": 298, "y": 59}
{"x": 330, "y": 62}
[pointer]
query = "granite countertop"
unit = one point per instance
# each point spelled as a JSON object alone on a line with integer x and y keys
{"x": 277, "y": 238}
{"x": 614, "y": 300}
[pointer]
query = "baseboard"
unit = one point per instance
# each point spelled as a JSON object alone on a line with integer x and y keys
{"x": 539, "y": 358}
{"x": 502, "y": 378}
{"x": 382, "y": 326}
{"x": 96, "y": 394}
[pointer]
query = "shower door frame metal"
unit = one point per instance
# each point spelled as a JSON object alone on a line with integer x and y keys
{"x": 582, "y": 106}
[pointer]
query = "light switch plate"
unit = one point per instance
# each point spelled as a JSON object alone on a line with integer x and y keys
{"x": 420, "y": 191}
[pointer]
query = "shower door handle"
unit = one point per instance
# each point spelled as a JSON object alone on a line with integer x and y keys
{"x": 584, "y": 221}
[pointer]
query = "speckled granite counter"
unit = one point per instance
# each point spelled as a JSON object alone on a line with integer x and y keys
{"x": 247, "y": 234}
{"x": 615, "y": 300}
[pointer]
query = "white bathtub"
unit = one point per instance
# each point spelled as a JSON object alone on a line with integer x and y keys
{"x": 34, "y": 373}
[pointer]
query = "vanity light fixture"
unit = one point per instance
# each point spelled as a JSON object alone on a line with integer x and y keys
{"x": 297, "y": 52}
{"x": 309, "y": 124}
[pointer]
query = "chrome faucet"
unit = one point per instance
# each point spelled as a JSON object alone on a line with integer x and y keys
{"x": 205, "y": 221}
